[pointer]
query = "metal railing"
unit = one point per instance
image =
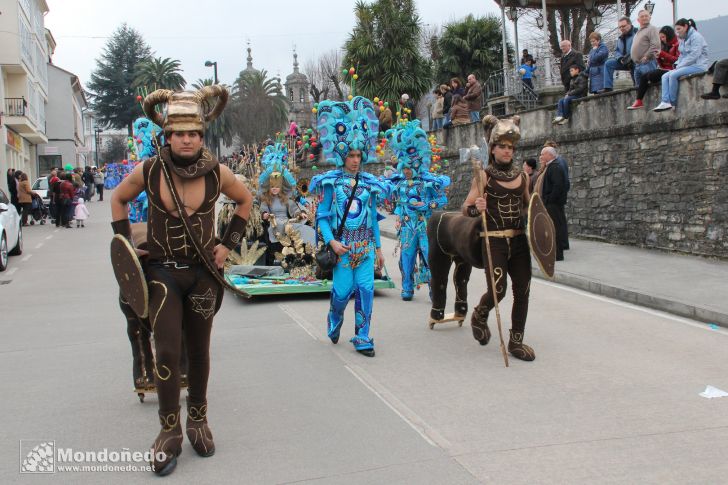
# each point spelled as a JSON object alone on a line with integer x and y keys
{"x": 509, "y": 83}
{"x": 15, "y": 107}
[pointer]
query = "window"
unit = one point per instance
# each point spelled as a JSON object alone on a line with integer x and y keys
{"x": 40, "y": 184}
{"x": 303, "y": 95}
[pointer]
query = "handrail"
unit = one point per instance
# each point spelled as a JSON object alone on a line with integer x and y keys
{"x": 15, "y": 106}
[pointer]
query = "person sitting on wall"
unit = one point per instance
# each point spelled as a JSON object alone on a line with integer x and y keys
{"x": 665, "y": 62}
{"x": 459, "y": 113}
{"x": 569, "y": 58}
{"x": 577, "y": 89}
{"x": 693, "y": 60}
{"x": 621, "y": 61}
{"x": 720, "y": 78}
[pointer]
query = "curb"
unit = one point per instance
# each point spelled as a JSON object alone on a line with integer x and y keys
{"x": 627, "y": 295}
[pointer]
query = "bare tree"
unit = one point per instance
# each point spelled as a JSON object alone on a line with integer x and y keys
{"x": 429, "y": 36}
{"x": 324, "y": 74}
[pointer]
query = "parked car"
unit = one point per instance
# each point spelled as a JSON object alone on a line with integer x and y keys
{"x": 40, "y": 187}
{"x": 11, "y": 233}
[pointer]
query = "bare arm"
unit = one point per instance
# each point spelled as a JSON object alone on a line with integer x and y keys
{"x": 474, "y": 198}
{"x": 237, "y": 191}
{"x": 127, "y": 191}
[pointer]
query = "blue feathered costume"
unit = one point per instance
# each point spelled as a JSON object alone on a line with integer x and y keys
{"x": 415, "y": 196}
{"x": 344, "y": 127}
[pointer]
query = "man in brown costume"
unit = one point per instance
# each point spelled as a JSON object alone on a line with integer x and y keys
{"x": 183, "y": 294}
{"x": 458, "y": 238}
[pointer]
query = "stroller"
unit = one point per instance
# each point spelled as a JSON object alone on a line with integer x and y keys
{"x": 38, "y": 210}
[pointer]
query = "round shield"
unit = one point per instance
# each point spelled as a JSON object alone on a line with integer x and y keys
{"x": 542, "y": 236}
{"x": 129, "y": 275}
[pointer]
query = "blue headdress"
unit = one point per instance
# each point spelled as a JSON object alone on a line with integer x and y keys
{"x": 410, "y": 145}
{"x": 144, "y": 133}
{"x": 275, "y": 171}
{"x": 345, "y": 126}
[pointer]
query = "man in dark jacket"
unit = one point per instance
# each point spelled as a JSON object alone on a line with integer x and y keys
{"x": 569, "y": 58}
{"x": 554, "y": 196}
{"x": 622, "y": 59}
{"x": 577, "y": 89}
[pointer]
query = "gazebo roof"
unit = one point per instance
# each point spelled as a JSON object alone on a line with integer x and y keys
{"x": 554, "y": 3}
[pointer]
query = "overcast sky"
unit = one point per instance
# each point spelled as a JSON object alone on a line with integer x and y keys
{"x": 218, "y": 30}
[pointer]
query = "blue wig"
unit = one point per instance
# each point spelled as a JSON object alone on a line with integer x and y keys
{"x": 345, "y": 126}
{"x": 275, "y": 164}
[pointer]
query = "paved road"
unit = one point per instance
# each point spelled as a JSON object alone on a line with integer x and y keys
{"x": 612, "y": 397}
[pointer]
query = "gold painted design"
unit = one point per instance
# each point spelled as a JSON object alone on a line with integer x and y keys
{"x": 498, "y": 272}
{"x": 204, "y": 304}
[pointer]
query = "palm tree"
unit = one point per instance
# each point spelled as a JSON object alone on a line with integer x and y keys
{"x": 384, "y": 48}
{"x": 259, "y": 108}
{"x": 158, "y": 73}
{"x": 220, "y": 129}
{"x": 471, "y": 45}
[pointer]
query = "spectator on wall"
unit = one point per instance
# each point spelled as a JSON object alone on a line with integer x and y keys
{"x": 669, "y": 53}
{"x": 474, "y": 97}
{"x": 693, "y": 60}
{"x": 438, "y": 118}
{"x": 577, "y": 89}
{"x": 457, "y": 86}
{"x": 621, "y": 59}
{"x": 720, "y": 78}
{"x": 569, "y": 58}
{"x": 597, "y": 57}
{"x": 645, "y": 47}
{"x": 459, "y": 113}
{"x": 446, "y": 103}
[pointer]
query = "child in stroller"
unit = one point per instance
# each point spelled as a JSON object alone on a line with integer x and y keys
{"x": 38, "y": 210}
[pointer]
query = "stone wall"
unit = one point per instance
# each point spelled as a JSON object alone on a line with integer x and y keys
{"x": 637, "y": 177}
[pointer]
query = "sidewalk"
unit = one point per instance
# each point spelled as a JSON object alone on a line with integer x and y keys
{"x": 688, "y": 286}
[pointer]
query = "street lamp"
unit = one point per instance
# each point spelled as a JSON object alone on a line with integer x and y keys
{"x": 539, "y": 21}
{"x": 595, "y": 17}
{"x": 650, "y": 6}
{"x": 512, "y": 14}
{"x": 212, "y": 64}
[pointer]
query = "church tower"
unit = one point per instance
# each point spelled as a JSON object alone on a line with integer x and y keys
{"x": 297, "y": 92}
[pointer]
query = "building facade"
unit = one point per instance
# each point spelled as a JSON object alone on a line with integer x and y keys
{"x": 65, "y": 123}
{"x": 26, "y": 47}
{"x": 297, "y": 91}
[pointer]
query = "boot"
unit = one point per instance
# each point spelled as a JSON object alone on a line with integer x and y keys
{"x": 461, "y": 308}
{"x": 197, "y": 430}
{"x": 518, "y": 349}
{"x": 168, "y": 442}
{"x": 479, "y": 322}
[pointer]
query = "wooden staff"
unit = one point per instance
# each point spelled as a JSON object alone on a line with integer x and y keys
{"x": 478, "y": 173}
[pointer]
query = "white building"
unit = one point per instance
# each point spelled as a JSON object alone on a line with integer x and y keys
{"x": 24, "y": 54}
{"x": 65, "y": 123}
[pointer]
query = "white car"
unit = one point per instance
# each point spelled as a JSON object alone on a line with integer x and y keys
{"x": 11, "y": 233}
{"x": 40, "y": 187}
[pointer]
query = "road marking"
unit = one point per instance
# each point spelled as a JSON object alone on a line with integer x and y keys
{"x": 411, "y": 418}
{"x": 300, "y": 321}
{"x": 27, "y": 257}
{"x": 39, "y": 245}
{"x": 632, "y": 306}
{"x": 56, "y": 230}
{"x": 11, "y": 271}
{"x": 50, "y": 236}
{"x": 419, "y": 430}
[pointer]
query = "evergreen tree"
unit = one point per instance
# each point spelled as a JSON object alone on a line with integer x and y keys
{"x": 113, "y": 97}
{"x": 471, "y": 45}
{"x": 259, "y": 108}
{"x": 384, "y": 49}
{"x": 158, "y": 73}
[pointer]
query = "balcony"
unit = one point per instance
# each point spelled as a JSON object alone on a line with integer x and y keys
{"x": 16, "y": 117}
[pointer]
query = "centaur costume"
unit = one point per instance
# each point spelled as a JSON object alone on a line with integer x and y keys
{"x": 414, "y": 199}
{"x": 345, "y": 126}
{"x": 458, "y": 238}
{"x": 183, "y": 295}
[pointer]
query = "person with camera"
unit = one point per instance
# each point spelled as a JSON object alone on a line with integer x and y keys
{"x": 622, "y": 59}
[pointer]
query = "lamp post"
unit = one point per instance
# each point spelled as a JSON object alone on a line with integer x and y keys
{"x": 212, "y": 64}
{"x": 595, "y": 17}
{"x": 513, "y": 17}
{"x": 547, "y": 44}
{"x": 97, "y": 136}
{"x": 674, "y": 11}
{"x": 505, "y": 41}
{"x": 650, "y": 6}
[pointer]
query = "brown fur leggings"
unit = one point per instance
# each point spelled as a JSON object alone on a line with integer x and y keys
{"x": 181, "y": 299}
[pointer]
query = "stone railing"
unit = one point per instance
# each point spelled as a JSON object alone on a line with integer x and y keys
{"x": 637, "y": 177}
